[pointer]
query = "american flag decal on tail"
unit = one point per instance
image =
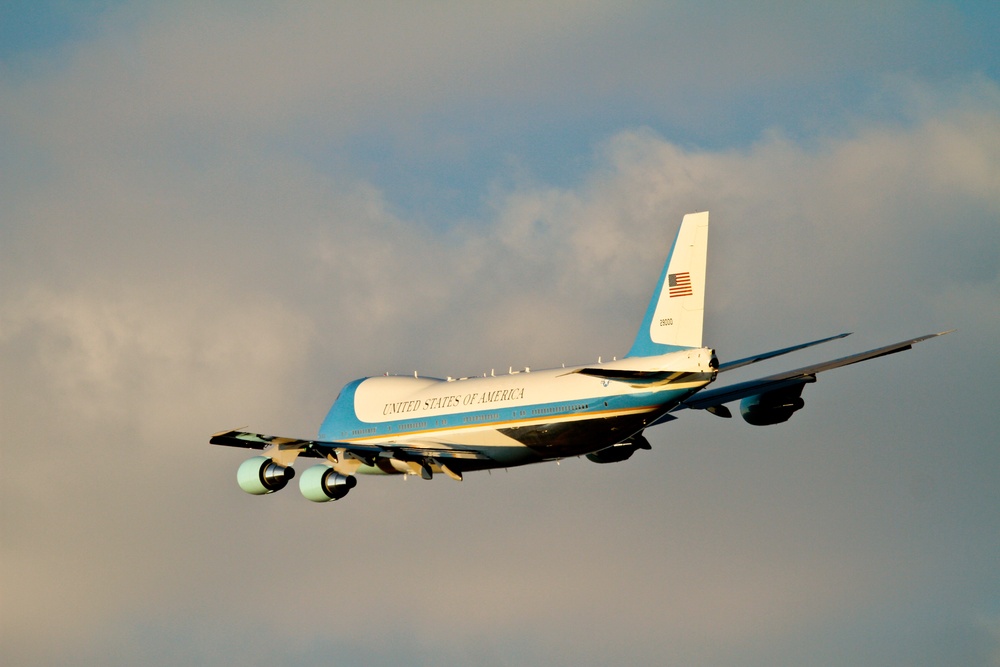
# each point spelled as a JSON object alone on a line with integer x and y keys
{"x": 680, "y": 284}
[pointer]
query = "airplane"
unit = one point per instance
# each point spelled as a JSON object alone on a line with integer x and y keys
{"x": 413, "y": 425}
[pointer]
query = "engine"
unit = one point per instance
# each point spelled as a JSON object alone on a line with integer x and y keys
{"x": 621, "y": 451}
{"x": 322, "y": 484}
{"x": 773, "y": 407}
{"x": 261, "y": 475}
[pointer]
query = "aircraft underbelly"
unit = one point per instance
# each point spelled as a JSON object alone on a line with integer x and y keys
{"x": 573, "y": 438}
{"x": 513, "y": 446}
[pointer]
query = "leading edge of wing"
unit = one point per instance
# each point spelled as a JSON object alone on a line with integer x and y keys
{"x": 746, "y": 361}
{"x": 324, "y": 449}
{"x": 713, "y": 397}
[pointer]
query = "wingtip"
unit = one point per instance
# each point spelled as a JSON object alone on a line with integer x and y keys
{"x": 935, "y": 335}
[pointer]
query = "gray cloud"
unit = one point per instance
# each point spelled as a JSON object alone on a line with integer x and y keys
{"x": 159, "y": 282}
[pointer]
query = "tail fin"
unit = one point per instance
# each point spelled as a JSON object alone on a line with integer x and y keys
{"x": 674, "y": 318}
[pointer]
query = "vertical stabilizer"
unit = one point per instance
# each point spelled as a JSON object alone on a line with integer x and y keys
{"x": 676, "y": 312}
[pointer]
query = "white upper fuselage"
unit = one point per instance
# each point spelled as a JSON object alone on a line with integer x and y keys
{"x": 520, "y": 417}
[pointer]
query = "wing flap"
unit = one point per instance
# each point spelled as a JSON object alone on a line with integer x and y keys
{"x": 735, "y": 392}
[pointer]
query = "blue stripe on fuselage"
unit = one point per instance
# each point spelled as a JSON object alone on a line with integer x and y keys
{"x": 342, "y": 423}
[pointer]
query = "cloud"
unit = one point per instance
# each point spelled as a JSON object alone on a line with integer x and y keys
{"x": 322, "y": 71}
{"x": 159, "y": 282}
{"x": 131, "y": 373}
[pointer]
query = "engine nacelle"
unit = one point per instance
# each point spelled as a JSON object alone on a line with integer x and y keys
{"x": 621, "y": 451}
{"x": 772, "y": 407}
{"x": 322, "y": 484}
{"x": 261, "y": 475}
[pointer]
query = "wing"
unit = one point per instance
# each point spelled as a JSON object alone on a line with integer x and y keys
{"x": 284, "y": 451}
{"x": 739, "y": 363}
{"x": 713, "y": 399}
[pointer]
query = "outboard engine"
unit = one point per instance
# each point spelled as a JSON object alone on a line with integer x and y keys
{"x": 261, "y": 475}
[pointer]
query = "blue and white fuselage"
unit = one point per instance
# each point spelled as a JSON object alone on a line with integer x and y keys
{"x": 516, "y": 418}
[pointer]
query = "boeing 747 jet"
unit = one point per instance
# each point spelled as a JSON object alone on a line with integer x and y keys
{"x": 410, "y": 425}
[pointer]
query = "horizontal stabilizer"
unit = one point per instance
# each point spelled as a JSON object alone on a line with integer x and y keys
{"x": 637, "y": 379}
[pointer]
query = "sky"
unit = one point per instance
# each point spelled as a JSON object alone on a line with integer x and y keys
{"x": 216, "y": 214}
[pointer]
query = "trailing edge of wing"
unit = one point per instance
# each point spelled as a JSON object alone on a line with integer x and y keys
{"x": 293, "y": 447}
{"x": 739, "y": 363}
{"x": 714, "y": 397}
